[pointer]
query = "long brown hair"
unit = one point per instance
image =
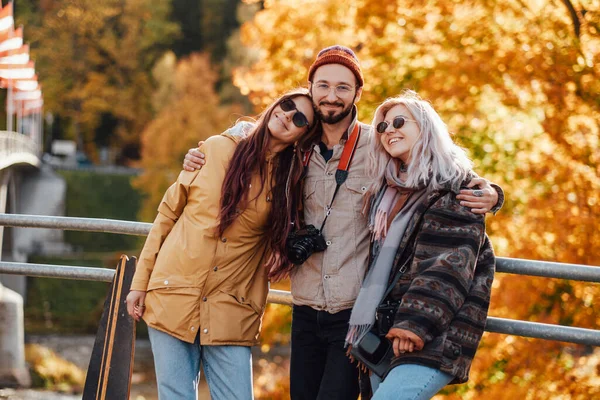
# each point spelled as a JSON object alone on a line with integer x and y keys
{"x": 249, "y": 158}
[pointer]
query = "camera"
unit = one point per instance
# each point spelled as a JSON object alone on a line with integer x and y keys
{"x": 304, "y": 242}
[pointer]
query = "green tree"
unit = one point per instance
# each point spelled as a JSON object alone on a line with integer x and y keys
{"x": 212, "y": 26}
{"x": 206, "y": 25}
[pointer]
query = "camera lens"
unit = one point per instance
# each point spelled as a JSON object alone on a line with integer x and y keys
{"x": 300, "y": 251}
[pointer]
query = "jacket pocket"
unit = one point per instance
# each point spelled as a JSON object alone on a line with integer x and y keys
{"x": 171, "y": 310}
{"x": 309, "y": 189}
{"x": 347, "y": 208}
{"x": 343, "y": 286}
{"x": 452, "y": 350}
{"x": 313, "y": 211}
{"x": 168, "y": 281}
{"x": 234, "y": 318}
{"x": 357, "y": 187}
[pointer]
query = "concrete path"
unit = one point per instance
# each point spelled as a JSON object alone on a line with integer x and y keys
{"x": 13, "y": 394}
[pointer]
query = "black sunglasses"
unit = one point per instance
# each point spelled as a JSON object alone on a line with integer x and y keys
{"x": 298, "y": 118}
{"x": 398, "y": 123}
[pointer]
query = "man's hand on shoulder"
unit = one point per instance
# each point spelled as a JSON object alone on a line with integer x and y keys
{"x": 481, "y": 199}
{"x": 194, "y": 159}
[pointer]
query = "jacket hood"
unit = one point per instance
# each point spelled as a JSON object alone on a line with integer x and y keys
{"x": 239, "y": 131}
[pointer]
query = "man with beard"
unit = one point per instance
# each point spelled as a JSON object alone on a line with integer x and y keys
{"x": 325, "y": 287}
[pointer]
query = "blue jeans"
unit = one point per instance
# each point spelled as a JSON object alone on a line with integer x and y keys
{"x": 409, "y": 382}
{"x": 228, "y": 369}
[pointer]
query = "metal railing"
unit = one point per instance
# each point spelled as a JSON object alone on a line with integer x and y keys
{"x": 496, "y": 325}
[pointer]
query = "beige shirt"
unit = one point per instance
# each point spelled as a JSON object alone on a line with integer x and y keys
{"x": 331, "y": 280}
{"x": 195, "y": 280}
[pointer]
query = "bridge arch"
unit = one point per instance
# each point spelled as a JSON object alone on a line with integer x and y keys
{"x": 17, "y": 149}
{"x": 19, "y": 157}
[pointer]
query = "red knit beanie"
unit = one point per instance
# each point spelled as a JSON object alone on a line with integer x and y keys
{"x": 337, "y": 55}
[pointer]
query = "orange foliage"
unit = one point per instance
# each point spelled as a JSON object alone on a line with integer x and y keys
{"x": 521, "y": 91}
{"x": 94, "y": 59}
{"x": 272, "y": 379}
{"x": 190, "y": 112}
{"x": 276, "y": 325}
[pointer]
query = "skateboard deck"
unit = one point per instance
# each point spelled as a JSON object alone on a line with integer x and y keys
{"x": 111, "y": 364}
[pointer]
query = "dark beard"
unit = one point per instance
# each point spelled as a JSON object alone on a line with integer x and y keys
{"x": 334, "y": 119}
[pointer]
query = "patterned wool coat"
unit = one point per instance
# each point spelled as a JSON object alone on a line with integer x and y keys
{"x": 445, "y": 292}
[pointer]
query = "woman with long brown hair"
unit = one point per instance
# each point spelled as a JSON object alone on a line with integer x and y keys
{"x": 201, "y": 281}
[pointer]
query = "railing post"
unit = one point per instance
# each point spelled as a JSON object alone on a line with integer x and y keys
{"x": 13, "y": 370}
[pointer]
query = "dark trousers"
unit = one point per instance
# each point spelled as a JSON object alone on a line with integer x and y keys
{"x": 319, "y": 367}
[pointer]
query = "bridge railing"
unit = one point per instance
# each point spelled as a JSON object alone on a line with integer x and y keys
{"x": 497, "y": 325}
{"x": 17, "y": 148}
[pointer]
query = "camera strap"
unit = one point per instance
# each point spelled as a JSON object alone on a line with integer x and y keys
{"x": 341, "y": 174}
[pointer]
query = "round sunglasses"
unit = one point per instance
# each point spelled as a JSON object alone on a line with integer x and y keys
{"x": 298, "y": 118}
{"x": 397, "y": 123}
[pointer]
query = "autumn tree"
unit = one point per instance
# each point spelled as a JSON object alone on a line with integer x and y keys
{"x": 519, "y": 85}
{"x": 191, "y": 112}
{"x": 94, "y": 60}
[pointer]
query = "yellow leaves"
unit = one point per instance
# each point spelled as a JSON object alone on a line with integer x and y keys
{"x": 276, "y": 325}
{"x": 282, "y": 60}
{"x": 190, "y": 112}
{"x": 272, "y": 380}
{"x": 521, "y": 93}
{"x": 55, "y": 372}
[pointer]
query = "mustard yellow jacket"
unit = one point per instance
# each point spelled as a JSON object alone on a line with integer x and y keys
{"x": 197, "y": 282}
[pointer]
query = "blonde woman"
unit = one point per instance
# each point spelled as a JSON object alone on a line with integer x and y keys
{"x": 434, "y": 250}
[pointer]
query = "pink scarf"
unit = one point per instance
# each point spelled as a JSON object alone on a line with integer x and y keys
{"x": 393, "y": 193}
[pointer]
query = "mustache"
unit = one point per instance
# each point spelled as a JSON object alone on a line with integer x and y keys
{"x": 326, "y": 103}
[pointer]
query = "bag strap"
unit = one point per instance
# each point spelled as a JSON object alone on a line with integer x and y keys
{"x": 397, "y": 277}
{"x": 342, "y": 170}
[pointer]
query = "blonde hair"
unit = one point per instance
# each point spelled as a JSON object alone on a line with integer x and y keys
{"x": 434, "y": 160}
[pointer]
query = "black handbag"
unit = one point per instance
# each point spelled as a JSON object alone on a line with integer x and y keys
{"x": 374, "y": 351}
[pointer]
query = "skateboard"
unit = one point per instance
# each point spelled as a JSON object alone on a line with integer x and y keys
{"x": 111, "y": 364}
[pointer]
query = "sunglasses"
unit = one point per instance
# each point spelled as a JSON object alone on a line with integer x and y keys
{"x": 298, "y": 118}
{"x": 397, "y": 123}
